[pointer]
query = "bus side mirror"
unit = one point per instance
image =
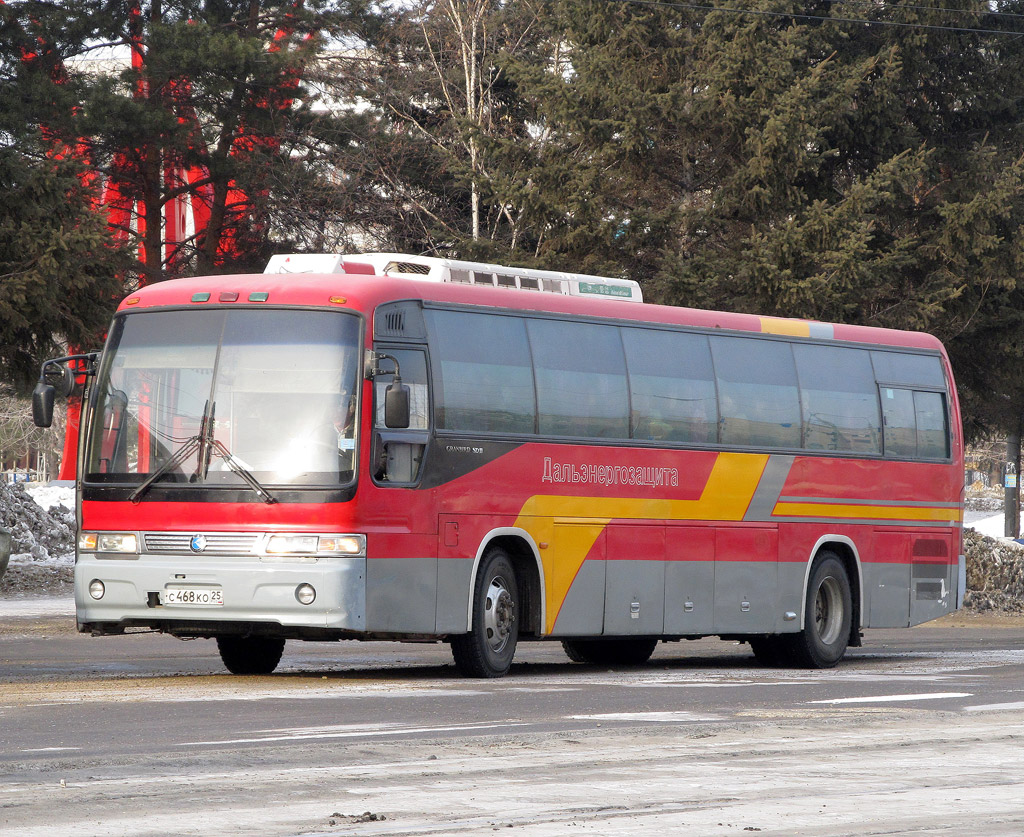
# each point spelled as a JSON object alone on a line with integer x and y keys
{"x": 396, "y": 406}
{"x": 66, "y": 384}
{"x": 42, "y": 404}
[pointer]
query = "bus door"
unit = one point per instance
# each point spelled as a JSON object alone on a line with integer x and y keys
{"x": 689, "y": 579}
{"x": 401, "y": 589}
{"x": 575, "y": 571}
{"x": 889, "y": 577}
{"x": 932, "y": 580}
{"x": 634, "y": 598}
{"x": 746, "y": 579}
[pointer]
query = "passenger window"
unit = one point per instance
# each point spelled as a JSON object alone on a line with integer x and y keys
{"x": 932, "y": 425}
{"x": 839, "y": 399}
{"x": 913, "y": 370}
{"x": 672, "y": 386}
{"x": 581, "y": 379}
{"x": 900, "y": 422}
{"x": 485, "y": 377}
{"x": 757, "y": 392}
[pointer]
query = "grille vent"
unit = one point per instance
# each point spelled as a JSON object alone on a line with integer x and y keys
{"x": 400, "y": 319}
{"x": 394, "y": 322}
{"x": 217, "y": 543}
{"x": 408, "y": 267}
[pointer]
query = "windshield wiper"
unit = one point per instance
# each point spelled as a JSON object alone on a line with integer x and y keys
{"x": 183, "y": 453}
{"x": 221, "y": 450}
{"x": 205, "y": 444}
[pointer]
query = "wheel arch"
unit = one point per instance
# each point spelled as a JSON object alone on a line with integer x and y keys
{"x": 847, "y": 551}
{"x": 525, "y": 556}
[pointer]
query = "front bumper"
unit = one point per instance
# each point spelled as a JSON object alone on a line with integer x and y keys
{"x": 256, "y": 592}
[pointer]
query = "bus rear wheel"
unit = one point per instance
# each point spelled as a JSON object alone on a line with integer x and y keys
{"x": 828, "y": 612}
{"x": 487, "y": 650}
{"x": 250, "y": 654}
{"x": 610, "y": 652}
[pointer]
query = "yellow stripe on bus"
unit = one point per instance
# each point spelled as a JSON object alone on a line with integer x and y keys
{"x": 790, "y": 328}
{"x": 726, "y": 497}
{"x": 865, "y": 512}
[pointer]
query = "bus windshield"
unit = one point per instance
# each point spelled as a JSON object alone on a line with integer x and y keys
{"x": 209, "y": 397}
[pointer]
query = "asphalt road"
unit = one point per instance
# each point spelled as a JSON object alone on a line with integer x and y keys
{"x": 919, "y": 732}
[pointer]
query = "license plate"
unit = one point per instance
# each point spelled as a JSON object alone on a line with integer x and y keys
{"x": 193, "y": 596}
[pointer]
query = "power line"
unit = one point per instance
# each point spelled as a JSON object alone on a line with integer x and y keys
{"x": 798, "y": 16}
{"x": 893, "y": 6}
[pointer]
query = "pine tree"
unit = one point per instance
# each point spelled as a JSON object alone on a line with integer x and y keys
{"x": 787, "y": 164}
{"x": 215, "y": 91}
{"x": 59, "y": 265}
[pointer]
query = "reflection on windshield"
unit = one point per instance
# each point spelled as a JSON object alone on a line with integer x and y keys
{"x": 281, "y": 386}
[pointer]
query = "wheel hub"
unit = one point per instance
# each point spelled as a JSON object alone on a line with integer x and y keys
{"x": 499, "y": 613}
{"x": 828, "y": 611}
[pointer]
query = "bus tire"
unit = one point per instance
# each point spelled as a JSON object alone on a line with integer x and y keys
{"x": 487, "y": 650}
{"x": 827, "y": 614}
{"x": 250, "y": 654}
{"x": 610, "y": 652}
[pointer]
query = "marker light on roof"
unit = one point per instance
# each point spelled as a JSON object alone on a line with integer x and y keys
{"x": 228, "y": 296}
{"x": 203, "y": 297}
{"x": 259, "y": 296}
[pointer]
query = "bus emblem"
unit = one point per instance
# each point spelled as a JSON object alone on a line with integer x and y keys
{"x": 198, "y": 543}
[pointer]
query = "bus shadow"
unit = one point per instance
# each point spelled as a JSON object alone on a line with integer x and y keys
{"x": 725, "y": 662}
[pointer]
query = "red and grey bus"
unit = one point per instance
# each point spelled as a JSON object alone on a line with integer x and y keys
{"x": 387, "y": 446}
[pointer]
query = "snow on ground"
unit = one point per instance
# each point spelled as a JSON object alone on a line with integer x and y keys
{"x": 42, "y": 525}
{"x": 49, "y": 495}
{"x": 991, "y": 527}
{"x": 35, "y": 608}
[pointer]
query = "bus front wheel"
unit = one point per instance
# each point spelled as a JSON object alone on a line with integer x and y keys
{"x": 487, "y": 650}
{"x": 827, "y": 615}
{"x": 250, "y": 654}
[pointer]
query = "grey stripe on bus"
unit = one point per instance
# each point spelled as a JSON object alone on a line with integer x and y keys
{"x": 762, "y": 504}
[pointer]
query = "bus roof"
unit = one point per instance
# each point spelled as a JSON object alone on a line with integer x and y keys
{"x": 434, "y": 269}
{"x": 356, "y": 283}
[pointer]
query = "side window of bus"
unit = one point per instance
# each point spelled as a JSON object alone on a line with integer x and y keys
{"x": 839, "y": 399}
{"x": 398, "y": 454}
{"x": 581, "y": 379}
{"x": 932, "y": 425}
{"x": 908, "y": 369}
{"x": 916, "y": 420}
{"x": 900, "y": 422}
{"x": 757, "y": 392}
{"x": 672, "y": 386}
{"x": 485, "y": 380}
{"x": 916, "y": 424}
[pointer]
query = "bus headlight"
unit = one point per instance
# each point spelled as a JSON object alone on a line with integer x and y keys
{"x": 97, "y": 589}
{"x": 313, "y": 545}
{"x": 343, "y": 545}
{"x": 305, "y": 594}
{"x": 123, "y": 542}
{"x": 292, "y": 544}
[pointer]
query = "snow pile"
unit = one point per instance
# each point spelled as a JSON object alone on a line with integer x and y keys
{"x": 995, "y": 574}
{"x": 48, "y": 495}
{"x": 990, "y": 527}
{"x": 38, "y": 534}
